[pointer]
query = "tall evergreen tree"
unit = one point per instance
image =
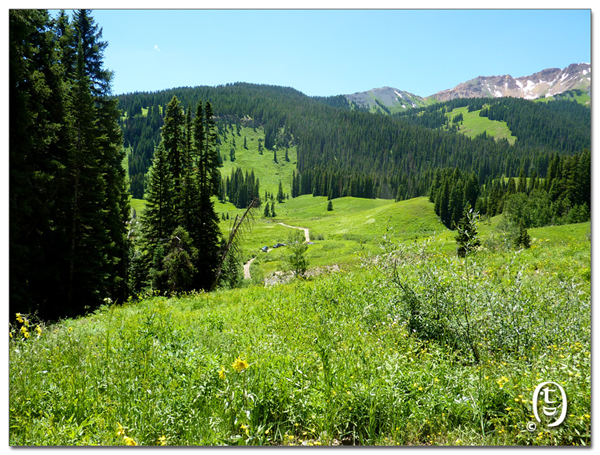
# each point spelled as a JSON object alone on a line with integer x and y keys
{"x": 208, "y": 237}
{"x": 467, "y": 238}
{"x": 158, "y": 216}
{"x": 280, "y": 194}
{"x": 173, "y": 137}
{"x": 73, "y": 223}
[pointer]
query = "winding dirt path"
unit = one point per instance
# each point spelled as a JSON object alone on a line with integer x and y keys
{"x": 247, "y": 268}
{"x": 306, "y": 234}
{"x": 249, "y": 263}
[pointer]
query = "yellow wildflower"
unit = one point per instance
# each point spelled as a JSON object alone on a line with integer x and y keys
{"x": 120, "y": 430}
{"x": 129, "y": 441}
{"x": 239, "y": 365}
{"x": 24, "y": 332}
{"x": 38, "y": 330}
{"x": 162, "y": 441}
{"x": 19, "y": 318}
{"x": 222, "y": 373}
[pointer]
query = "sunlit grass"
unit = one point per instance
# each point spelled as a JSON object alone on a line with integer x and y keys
{"x": 328, "y": 360}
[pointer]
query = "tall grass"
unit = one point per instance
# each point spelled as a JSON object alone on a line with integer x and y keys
{"x": 415, "y": 348}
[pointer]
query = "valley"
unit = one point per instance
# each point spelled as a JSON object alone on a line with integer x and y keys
{"x": 246, "y": 265}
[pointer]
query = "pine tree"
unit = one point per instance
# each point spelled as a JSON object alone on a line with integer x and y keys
{"x": 208, "y": 237}
{"x": 173, "y": 138}
{"x": 179, "y": 261}
{"x": 445, "y": 213}
{"x": 68, "y": 196}
{"x": 329, "y": 206}
{"x": 158, "y": 217}
{"x": 467, "y": 239}
{"x": 280, "y": 195}
{"x": 522, "y": 238}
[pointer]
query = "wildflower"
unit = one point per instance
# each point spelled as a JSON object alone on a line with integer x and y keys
{"x": 239, "y": 365}
{"x": 162, "y": 441}
{"x": 120, "y": 430}
{"x": 70, "y": 329}
{"x": 222, "y": 373}
{"x": 19, "y": 318}
{"x": 129, "y": 441}
{"x": 38, "y": 330}
{"x": 24, "y": 332}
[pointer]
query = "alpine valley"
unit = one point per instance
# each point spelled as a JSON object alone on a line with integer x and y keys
{"x": 243, "y": 264}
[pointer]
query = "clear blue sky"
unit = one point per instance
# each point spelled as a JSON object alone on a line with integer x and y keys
{"x": 332, "y": 52}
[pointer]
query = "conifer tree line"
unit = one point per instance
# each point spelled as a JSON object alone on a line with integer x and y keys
{"x": 240, "y": 188}
{"x": 179, "y": 243}
{"x": 453, "y": 191}
{"x": 564, "y": 196}
{"x": 561, "y": 125}
{"x": 355, "y": 153}
{"x": 68, "y": 194}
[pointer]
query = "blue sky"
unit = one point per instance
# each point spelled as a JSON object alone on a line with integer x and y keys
{"x": 331, "y": 52}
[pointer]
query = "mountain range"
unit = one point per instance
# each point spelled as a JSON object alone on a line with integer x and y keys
{"x": 545, "y": 83}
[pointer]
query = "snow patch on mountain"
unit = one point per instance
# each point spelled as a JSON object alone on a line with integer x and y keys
{"x": 548, "y": 82}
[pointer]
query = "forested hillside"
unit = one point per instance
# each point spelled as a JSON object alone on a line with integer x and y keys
{"x": 344, "y": 152}
{"x": 562, "y": 125}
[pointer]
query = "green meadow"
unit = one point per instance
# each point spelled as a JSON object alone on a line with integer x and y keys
{"x": 474, "y": 125}
{"x": 403, "y": 344}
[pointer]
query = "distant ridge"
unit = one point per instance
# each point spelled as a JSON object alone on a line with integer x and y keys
{"x": 545, "y": 83}
{"x": 385, "y": 100}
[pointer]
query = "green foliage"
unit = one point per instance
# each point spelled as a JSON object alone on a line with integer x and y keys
{"x": 179, "y": 262}
{"x": 68, "y": 200}
{"x": 296, "y": 259}
{"x": 522, "y": 239}
{"x": 467, "y": 239}
{"x": 179, "y": 204}
{"x": 325, "y": 361}
{"x": 352, "y": 153}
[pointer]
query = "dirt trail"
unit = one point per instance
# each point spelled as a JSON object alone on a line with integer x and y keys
{"x": 247, "y": 264}
{"x": 247, "y": 268}
{"x": 306, "y": 234}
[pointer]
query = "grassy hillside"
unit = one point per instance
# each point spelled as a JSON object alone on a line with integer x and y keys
{"x": 474, "y": 125}
{"x": 263, "y": 163}
{"x": 581, "y": 96}
{"x": 418, "y": 348}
